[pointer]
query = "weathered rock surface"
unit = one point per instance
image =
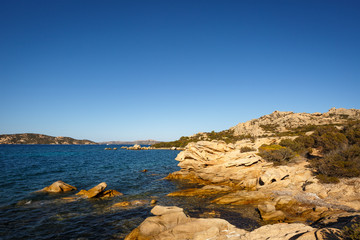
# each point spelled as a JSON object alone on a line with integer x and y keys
{"x": 283, "y": 121}
{"x": 245, "y": 178}
{"x": 346, "y": 193}
{"x": 279, "y": 231}
{"x": 131, "y": 204}
{"x": 93, "y": 192}
{"x": 219, "y": 163}
{"x": 171, "y": 223}
{"x": 58, "y": 186}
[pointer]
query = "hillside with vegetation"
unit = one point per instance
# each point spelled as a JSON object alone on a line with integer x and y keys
{"x": 32, "y": 138}
{"x": 330, "y": 142}
{"x": 332, "y": 151}
{"x": 274, "y": 124}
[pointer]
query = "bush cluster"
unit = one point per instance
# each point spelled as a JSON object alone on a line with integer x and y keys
{"x": 352, "y": 232}
{"x": 277, "y": 154}
{"x": 269, "y": 127}
{"x": 301, "y": 145}
{"x": 329, "y": 138}
{"x": 226, "y": 135}
{"x": 340, "y": 163}
{"x": 247, "y": 149}
{"x": 340, "y": 149}
{"x": 182, "y": 142}
{"x": 296, "y": 131}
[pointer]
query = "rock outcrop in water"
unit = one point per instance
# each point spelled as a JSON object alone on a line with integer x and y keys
{"x": 31, "y": 138}
{"x": 98, "y": 192}
{"x": 140, "y": 142}
{"x": 58, "y": 187}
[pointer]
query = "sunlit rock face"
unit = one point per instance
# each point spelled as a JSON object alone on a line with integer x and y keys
{"x": 281, "y": 193}
{"x": 58, "y": 186}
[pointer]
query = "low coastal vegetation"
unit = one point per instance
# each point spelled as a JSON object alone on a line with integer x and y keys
{"x": 277, "y": 154}
{"x": 226, "y": 135}
{"x": 333, "y": 151}
{"x": 352, "y": 232}
{"x": 247, "y": 149}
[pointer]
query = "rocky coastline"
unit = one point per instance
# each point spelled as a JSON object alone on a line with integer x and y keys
{"x": 293, "y": 203}
{"x": 289, "y": 198}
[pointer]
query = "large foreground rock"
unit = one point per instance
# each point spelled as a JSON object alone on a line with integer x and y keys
{"x": 58, "y": 186}
{"x": 171, "y": 223}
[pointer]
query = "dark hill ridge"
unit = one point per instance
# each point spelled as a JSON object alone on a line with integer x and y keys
{"x": 32, "y": 138}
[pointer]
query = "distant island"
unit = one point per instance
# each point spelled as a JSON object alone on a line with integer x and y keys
{"x": 32, "y": 138}
{"x": 139, "y": 142}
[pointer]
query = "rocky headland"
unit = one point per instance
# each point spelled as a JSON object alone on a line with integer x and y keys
{"x": 300, "y": 171}
{"x": 32, "y": 138}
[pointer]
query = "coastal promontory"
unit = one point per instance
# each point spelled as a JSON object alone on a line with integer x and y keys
{"x": 300, "y": 171}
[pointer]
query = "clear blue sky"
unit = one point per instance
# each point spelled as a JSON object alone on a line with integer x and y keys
{"x": 128, "y": 70}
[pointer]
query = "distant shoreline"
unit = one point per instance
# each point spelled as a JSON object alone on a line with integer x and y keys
{"x": 140, "y": 142}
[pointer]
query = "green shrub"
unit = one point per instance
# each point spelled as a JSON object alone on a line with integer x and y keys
{"x": 352, "y": 132}
{"x": 247, "y": 149}
{"x": 226, "y": 135}
{"x": 305, "y": 141}
{"x": 342, "y": 163}
{"x": 277, "y": 154}
{"x": 297, "y": 131}
{"x": 352, "y": 232}
{"x": 269, "y": 127}
{"x": 329, "y": 138}
{"x": 300, "y": 145}
{"x": 326, "y": 179}
{"x": 182, "y": 142}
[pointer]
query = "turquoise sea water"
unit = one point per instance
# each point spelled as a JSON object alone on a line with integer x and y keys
{"x": 25, "y": 169}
